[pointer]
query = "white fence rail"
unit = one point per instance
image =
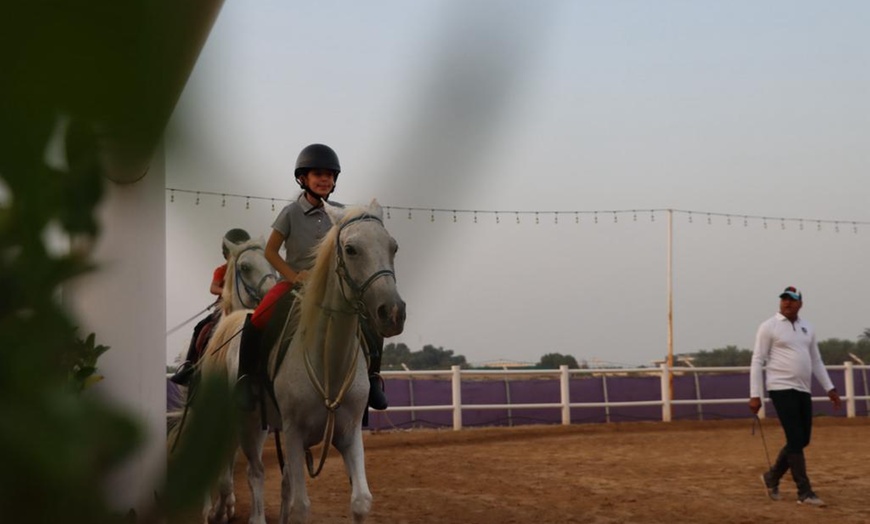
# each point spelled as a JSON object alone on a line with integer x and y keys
{"x": 565, "y": 404}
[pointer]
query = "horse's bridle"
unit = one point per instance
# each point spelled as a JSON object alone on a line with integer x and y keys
{"x": 343, "y": 274}
{"x": 253, "y": 291}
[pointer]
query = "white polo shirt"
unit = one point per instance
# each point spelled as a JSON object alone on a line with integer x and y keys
{"x": 791, "y": 354}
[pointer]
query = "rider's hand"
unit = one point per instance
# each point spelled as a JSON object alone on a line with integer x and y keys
{"x": 301, "y": 277}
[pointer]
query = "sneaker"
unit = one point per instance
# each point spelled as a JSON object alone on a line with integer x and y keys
{"x": 812, "y": 500}
{"x": 772, "y": 491}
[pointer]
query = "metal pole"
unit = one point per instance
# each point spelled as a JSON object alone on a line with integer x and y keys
{"x": 507, "y": 394}
{"x": 688, "y": 361}
{"x": 670, "y": 304}
{"x": 411, "y": 395}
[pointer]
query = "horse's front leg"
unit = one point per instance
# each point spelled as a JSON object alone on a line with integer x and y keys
{"x": 251, "y": 439}
{"x": 295, "y": 504}
{"x": 354, "y": 462}
{"x": 225, "y": 508}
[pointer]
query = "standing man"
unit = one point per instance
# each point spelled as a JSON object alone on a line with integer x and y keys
{"x": 787, "y": 344}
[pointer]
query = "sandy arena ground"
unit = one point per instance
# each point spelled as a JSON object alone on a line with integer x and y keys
{"x": 645, "y": 472}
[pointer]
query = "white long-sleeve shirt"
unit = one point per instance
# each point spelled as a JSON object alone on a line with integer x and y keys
{"x": 791, "y": 354}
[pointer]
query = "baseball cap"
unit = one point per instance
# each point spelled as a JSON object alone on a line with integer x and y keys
{"x": 791, "y": 292}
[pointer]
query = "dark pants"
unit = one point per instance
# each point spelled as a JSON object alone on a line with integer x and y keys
{"x": 795, "y": 412}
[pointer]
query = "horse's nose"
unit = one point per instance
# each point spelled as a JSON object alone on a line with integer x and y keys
{"x": 392, "y": 315}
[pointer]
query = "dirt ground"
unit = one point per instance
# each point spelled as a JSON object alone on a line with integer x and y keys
{"x": 646, "y": 472}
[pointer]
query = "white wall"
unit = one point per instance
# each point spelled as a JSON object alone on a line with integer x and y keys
{"x": 124, "y": 303}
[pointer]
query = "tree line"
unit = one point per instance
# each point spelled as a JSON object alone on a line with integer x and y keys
{"x": 834, "y": 351}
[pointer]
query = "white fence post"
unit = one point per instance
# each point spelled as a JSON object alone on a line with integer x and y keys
{"x": 666, "y": 393}
{"x": 457, "y": 398}
{"x": 564, "y": 382}
{"x": 849, "y": 376}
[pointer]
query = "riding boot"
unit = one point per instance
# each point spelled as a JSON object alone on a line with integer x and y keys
{"x": 249, "y": 353}
{"x": 798, "y": 465}
{"x": 375, "y": 345}
{"x": 185, "y": 371}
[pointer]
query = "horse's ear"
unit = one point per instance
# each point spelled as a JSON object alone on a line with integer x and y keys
{"x": 335, "y": 213}
{"x": 376, "y": 209}
{"x": 261, "y": 240}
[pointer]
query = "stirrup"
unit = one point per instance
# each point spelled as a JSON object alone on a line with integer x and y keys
{"x": 377, "y": 398}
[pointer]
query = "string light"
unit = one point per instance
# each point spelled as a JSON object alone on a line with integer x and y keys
{"x": 539, "y": 214}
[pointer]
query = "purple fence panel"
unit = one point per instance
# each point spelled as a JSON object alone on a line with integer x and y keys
{"x": 634, "y": 389}
{"x": 429, "y": 391}
{"x": 826, "y": 408}
{"x": 484, "y": 392}
{"x": 587, "y": 389}
{"x": 862, "y": 388}
{"x": 684, "y": 389}
{"x": 541, "y": 391}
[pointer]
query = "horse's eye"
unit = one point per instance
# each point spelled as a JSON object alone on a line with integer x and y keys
{"x": 349, "y": 250}
{"x": 245, "y": 268}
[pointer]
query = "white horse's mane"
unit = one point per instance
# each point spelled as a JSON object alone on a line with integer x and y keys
{"x": 324, "y": 252}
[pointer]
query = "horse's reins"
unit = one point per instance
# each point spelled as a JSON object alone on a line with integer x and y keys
{"x": 194, "y": 317}
{"x": 359, "y": 309}
{"x": 343, "y": 274}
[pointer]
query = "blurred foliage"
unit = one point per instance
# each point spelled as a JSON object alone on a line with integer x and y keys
{"x": 727, "y": 356}
{"x": 80, "y": 74}
{"x": 555, "y": 360}
{"x": 834, "y": 352}
{"x": 83, "y": 363}
{"x": 429, "y": 357}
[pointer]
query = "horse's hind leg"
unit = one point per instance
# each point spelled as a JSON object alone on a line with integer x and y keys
{"x": 252, "y": 439}
{"x": 354, "y": 462}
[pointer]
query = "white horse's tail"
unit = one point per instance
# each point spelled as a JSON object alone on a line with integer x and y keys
{"x": 221, "y": 356}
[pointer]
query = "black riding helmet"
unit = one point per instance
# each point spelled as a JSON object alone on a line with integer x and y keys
{"x": 316, "y": 156}
{"x": 236, "y": 236}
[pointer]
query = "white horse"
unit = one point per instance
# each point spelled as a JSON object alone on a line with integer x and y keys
{"x": 321, "y": 381}
{"x": 249, "y": 276}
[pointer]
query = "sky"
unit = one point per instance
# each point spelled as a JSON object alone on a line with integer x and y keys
{"x": 726, "y": 109}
